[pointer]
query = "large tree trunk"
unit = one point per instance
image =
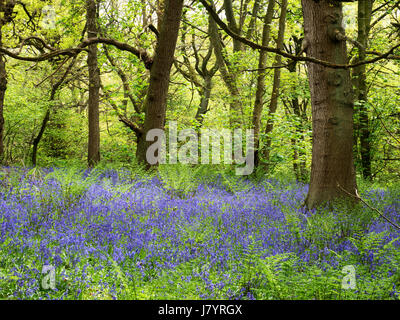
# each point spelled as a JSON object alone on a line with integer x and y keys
{"x": 160, "y": 11}
{"x": 361, "y": 90}
{"x": 156, "y": 99}
{"x": 260, "y": 91}
{"x": 94, "y": 86}
{"x": 332, "y": 104}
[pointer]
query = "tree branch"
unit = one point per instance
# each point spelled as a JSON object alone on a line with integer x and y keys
{"x": 140, "y": 53}
{"x": 357, "y": 196}
{"x": 254, "y": 45}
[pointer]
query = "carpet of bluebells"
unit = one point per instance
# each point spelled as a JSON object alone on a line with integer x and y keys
{"x": 112, "y": 234}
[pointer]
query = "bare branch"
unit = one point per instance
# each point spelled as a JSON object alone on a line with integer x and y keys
{"x": 140, "y": 53}
{"x": 357, "y": 196}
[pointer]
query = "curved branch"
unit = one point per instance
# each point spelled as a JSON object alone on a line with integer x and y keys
{"x": 43, "y": 57}
{"x": 254, "y": 45}
{"x": 140, "y": 53}
{"x": 44, "y": 44}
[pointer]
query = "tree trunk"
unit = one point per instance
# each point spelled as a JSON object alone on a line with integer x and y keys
{"x": 160, "y": 11}
{"x": 296, "y": 168}
{"x": 361, "y": 91}
{"x": 6, "y": 16}
{"x": 205, "y": 99}
{"x": 302, "y": 116}
{"x": 260, "y": 91}
{"x": 94, "y": 86}
{"x": 332, "y": 104}
{"x": 277, "y": 82}
{"x": 252, "y": 24}
{"x": 56, "y": 86}
{"x": 38, "y": 138}
{"x": 3, "y": 88}
{"x": 144, "y": 14}
{"x": 299, "y": 110}
{"x": 199, "y": 74}
{"x": 228, "y": 7}
{"x": 156, "y": 99}
{"x": 228, "y": 75}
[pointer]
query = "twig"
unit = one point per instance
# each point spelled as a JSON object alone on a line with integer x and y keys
{"x": 52, "y": 74}
{"x": 357, "y": 196}
{"x": 267, "y": 68}
{"x": 383, "y": 124}
{"x": 38, "y": 39}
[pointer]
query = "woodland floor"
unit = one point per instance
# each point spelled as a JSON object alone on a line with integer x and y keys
{"x": 111, "y": 234}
